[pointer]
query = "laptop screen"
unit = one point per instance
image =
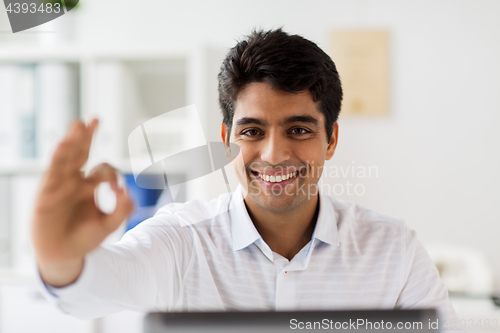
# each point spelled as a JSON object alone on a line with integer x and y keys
{"x": 293, "y": 321}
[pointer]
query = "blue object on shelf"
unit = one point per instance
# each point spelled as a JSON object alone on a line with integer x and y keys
{"x": 144, "y": 200}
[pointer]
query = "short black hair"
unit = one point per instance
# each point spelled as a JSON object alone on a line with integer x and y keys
{"x": 289, "y": 63}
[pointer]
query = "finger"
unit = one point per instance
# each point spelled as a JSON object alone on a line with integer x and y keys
{"x": 124, "y": 207}
{"x": 60, "y": 159}
{"x": 86, "y": 143}
{"x": 93, "y": 125}
{"x": 103, "y": 173}
{"x": 66, "y": 150}
{"x": 62, "y": 165}
{"x": 63, "y": 151}
{"x": 73, "y": 128}
{"x": 81, "y": 138}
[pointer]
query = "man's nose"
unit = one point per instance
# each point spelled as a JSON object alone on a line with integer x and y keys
{"x": 275, "y": 149}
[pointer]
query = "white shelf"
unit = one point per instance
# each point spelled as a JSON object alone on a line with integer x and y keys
{"x": 36, "y": 168}
{"x": 77, "y": 53}
{"x": 21, "y": 168}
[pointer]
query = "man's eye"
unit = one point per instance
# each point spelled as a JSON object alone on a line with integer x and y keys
{"x": 250, "y": 132}
{"x": 299, "y": 130}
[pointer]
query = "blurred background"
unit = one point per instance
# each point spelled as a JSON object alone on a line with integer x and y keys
{"x": 418, "y": 137}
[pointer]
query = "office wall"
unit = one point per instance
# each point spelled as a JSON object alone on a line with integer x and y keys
{"x": 436, "y": 153}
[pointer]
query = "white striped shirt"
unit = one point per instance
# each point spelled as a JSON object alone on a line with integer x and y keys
{"x": 356, "y": 259}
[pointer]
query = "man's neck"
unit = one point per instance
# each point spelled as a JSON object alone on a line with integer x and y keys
{"x": 286, "y": 233}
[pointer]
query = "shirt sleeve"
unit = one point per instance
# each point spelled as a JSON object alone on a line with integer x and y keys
{"x": 142, "y": 272}
{"x": 422, "y": 287}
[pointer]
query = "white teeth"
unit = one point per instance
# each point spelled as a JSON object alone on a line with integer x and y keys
{"x": 277, "y": 179}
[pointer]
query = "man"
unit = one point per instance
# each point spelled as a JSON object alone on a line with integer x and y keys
{"x": 281, "y": 245}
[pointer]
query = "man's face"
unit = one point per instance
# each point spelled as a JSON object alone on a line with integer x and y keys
{"x": 283, "y": 147}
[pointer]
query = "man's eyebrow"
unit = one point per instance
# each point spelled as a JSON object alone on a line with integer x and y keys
{"x": 290, "y": 120}
{"x": 248, "y": 120}
{"x": 302, "y": 119}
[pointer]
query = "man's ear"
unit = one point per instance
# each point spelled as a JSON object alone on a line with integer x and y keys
{"x": 333, "y": 142}
{"x": 224, "y": 134}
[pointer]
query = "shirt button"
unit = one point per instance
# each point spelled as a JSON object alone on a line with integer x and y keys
{"x": 285, "y": 273}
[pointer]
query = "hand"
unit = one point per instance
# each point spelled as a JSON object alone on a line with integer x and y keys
{"x": 67, "y": 224}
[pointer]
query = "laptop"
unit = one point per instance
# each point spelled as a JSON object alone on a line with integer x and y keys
{"x": 421, "y": 321}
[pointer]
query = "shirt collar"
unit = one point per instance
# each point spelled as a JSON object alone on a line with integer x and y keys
{"x": 326, "y": 225}
{"x": 244, "y": 232}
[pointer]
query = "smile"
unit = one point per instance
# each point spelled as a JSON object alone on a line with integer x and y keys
{"x": 276, "y": 178}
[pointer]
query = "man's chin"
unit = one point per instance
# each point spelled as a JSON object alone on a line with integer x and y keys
{"x": 275, "y": 202}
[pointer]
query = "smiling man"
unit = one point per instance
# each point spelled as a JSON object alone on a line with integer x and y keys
{"x": 284, "y": 143}
{"x": 277, "y": 243}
